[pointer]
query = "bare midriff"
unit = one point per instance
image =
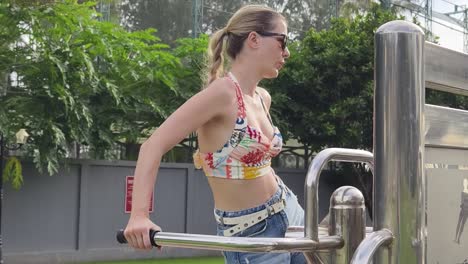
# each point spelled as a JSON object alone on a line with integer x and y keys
{"x": 236, "y": 195}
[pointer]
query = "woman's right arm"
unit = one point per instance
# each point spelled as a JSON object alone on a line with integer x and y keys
{"x": 210, "y": 103}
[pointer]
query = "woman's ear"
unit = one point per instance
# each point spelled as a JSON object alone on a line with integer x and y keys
{"x": 253, "y": 40}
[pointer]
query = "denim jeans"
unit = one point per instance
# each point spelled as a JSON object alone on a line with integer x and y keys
{"x": 274, "y": 226}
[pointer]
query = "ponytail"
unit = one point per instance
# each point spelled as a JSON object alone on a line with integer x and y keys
{"x": 216, "y": 55}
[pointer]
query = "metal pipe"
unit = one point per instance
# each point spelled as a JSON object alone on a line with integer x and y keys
{"x": 246, "y": 244}
{"x": 399, "y": 140}
{"x": 347, "y": 220}
{"x": 368, "y": 247}
{"x": 313, "y": 258}
{"x": 293, "y": 230}
{"x": 313, "y": 177}
{"x": 298, "y": 231}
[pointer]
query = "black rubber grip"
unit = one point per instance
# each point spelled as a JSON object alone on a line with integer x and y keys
{"x": 122, "y": 240}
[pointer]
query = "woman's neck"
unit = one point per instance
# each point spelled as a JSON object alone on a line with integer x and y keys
{"x": 248, "y": 80}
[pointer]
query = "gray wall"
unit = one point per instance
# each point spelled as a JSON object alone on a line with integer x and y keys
{"x": 73, "y": 216}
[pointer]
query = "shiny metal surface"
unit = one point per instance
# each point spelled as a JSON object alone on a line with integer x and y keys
{"x": 368, "y": 247}
{"x": 298, "y": 231}
{"x": 313, "y": 258}
{"x": 446, "y": 127}
{"x": 399, "y": 141}
{"x": 246, "y": 244}
{"x": 311, "y": 230}
{"x": 348, "y": 220}
{"x": 446, "y": 70}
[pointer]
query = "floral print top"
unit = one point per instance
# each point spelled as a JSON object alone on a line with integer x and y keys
{"x": 247, "y": 154}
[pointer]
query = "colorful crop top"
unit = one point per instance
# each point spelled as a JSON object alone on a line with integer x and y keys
{"x": 247, "y": 154}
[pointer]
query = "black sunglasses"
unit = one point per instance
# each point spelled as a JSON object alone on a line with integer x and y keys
{"x": 284, "y": 39}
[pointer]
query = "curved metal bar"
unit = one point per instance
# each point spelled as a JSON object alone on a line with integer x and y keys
{"x": 366, "y": 250}
{"x": 312, "y": 182}
{"x": 246, "y": 244}
{"x": 313, "y": 258}
{"x": 293, "y": 230}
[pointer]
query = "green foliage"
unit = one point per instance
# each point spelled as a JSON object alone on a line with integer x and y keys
{"x": 324, "y": 96}
{"x": 192, "y": 52}
{"x": 13, "y": 172}
{"x": 446, "y": 99}
{"x": 80, "y": 79}
{"x": 174, "y": 19}
{"x": 189, "y": 80}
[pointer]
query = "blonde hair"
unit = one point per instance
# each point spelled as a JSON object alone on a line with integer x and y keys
{"x": 230, "y": 39}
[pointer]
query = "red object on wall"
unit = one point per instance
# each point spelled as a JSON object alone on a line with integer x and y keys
{"x": 128, "y": 195}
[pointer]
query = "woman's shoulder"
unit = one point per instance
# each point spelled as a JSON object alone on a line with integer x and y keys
{"x": 221, "y": 92}
{"x": 221, "y": 86}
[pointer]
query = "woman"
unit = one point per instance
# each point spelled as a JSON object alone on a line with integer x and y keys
{"x": 236, "y": 136}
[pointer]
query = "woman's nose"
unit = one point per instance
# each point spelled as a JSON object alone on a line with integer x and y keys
{"x": 286, "y": 53}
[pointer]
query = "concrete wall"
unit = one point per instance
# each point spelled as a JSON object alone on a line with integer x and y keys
{"x": 73, "y": 216}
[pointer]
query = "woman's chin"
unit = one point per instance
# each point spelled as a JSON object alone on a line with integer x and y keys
{"x": 271, "y": 74}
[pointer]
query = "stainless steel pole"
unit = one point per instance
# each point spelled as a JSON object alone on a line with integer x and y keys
{"x": 348, "y": 220}
{"x": 399, "y": 140}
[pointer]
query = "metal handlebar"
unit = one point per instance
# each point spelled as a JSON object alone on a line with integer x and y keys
{"x": 349, "y": 210}
{"x": 366, "y": 250}
{"x": 312, "y": 182}
{"x": 240, "y": 244}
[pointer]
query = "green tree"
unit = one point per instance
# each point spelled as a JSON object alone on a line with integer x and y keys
{"x": 350, "y": 8}
{"x": 190, "y": 79}
{"x": 324, "y": 95}
{"x": 76, "y": 79}
{"x": 173, "y": 18}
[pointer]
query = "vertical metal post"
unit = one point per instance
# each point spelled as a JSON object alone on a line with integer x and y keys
{"x": 348, "y": 220}
{"x": 386, "y": 4}
{"x": 197, "y": 17}
{"x": 428, "y": 20}
{"x": 334, "y": 8}
{"x": 104, "y": 9}
{"x": 465, "y": 30}
{"x": 399, "y": 140}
